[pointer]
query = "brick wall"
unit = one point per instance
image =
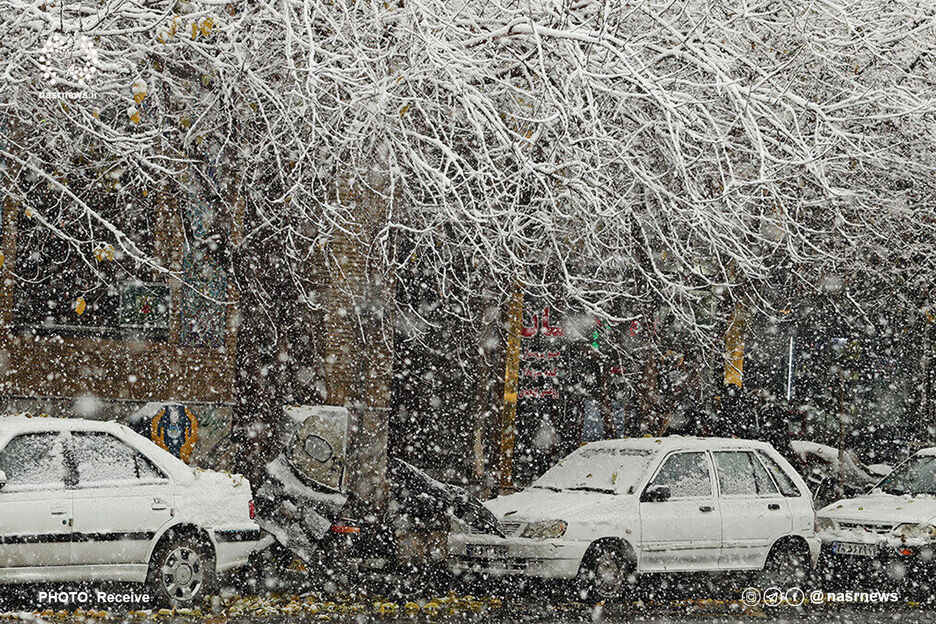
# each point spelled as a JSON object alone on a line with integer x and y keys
{"x": 358, "y": 341}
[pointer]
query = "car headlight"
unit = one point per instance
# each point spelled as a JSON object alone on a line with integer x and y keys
{"x": 911, "y": 530}
{"x": 824, "y": 524}
{"x": 545, "y": 529}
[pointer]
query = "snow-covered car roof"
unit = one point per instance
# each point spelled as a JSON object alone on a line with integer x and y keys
{"x": 668, "y": 443}
{"x": 15, "y": 424}
{"x": 927, "y": 451}
{"x": 12, "y": 424}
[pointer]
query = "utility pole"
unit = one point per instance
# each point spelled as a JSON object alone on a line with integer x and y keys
{"x": 511, "y": 387}
{"x": 926, "y": 426}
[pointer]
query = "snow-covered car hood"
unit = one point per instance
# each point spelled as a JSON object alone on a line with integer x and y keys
{"x": 854, "y": 471}
{"x": 882, "y": 509}
{"x": 535, "y": 504}
{"x": 214, "y": 499}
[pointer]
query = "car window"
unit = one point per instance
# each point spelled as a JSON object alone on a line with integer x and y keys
{"x": 34, "y": 461}
{"x": 765, "y": 485}
{"x": 609, "y": 469}
{"x": 782, "y": 479}
{"x": 740, "y": 474}
{"x": 686, "y": 474}
{"x": 102, "y": 458}
{"x": 915, "y": 476}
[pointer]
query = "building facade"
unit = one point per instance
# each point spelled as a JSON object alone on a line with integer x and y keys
{"x": 86, "y": 331}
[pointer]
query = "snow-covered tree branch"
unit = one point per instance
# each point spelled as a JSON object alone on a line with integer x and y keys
{"x": 607, "y": 154}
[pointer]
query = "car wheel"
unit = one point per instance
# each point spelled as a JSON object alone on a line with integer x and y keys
{"x": 604, "y": 574}
{"x": 182, "y": 572}
{"x": 787, "y": 565}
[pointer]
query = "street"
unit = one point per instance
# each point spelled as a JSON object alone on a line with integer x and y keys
{"x": 445, "y": 610}
{"x": 529, "y": 605}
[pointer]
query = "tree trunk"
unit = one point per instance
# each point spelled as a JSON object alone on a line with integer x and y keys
{"x": 261, "y": 379}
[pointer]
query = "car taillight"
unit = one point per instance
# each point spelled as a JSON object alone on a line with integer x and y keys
{"x": 252, "y": 509}
{"x": 344, "y": 528}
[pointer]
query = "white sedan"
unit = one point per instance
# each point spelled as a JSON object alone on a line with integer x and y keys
{"x": 618, "y": 508}
{"x": 94, "y": 501}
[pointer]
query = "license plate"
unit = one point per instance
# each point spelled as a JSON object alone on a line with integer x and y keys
{"x": 486, "y": 551}
{"x": 849, "y": 548}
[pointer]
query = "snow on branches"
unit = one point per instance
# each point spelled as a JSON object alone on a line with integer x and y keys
{"x": 611, "y": 154}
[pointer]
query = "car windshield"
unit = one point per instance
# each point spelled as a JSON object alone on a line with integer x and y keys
{"x": 604, "y": 470}
{"x": 916, "y": 476}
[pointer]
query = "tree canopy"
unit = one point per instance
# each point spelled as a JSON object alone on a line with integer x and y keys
{"x": 610, "y": 154}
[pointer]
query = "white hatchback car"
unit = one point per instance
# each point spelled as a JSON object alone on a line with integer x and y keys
{"x": 617, "y": 508}
{"x": 94, "y": 501}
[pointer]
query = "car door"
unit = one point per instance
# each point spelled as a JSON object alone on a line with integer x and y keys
{"x": 35, "y": 504}
{"x": 683, "y": 532}
{"x": 121, "y": 500}
{"x": 754, "y": 512}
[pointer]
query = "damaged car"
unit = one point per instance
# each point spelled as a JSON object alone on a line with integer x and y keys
{"x": 306, "y": 504}
{"x": 830, "y": 474}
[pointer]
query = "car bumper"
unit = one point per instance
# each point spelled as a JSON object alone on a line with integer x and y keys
{"x": 815, "y": 550}
{"x": 496, "y": 556}
{"x": 233, "y": 547}
{"x": 897, "y": 561}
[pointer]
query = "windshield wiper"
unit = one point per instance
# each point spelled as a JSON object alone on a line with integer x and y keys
{"x": 588, "y": 488}
{"x": 546, "y": 487}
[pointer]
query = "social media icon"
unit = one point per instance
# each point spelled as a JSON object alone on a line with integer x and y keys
{"x": 773, "y": 596}
{"x": 795, "y": 597}
{"x": 750, "y": 596}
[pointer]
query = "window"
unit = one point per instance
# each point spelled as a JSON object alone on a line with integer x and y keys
{"x": 787, "y": 487}
{"x": 102, "y": 458}
{"x": 34, "y": 461}
{"x": 91, "y": 289}
{"x": 765, "y": 485}
{"x": 612, "y": 469}
{"x": 914, "y": 477}
{"x": 686, "y": 474}
{"x": 740, "y": 474}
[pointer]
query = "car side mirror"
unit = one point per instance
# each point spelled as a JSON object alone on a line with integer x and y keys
{"x": 656, "y": 494}
{"x": 3, "y": 479}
